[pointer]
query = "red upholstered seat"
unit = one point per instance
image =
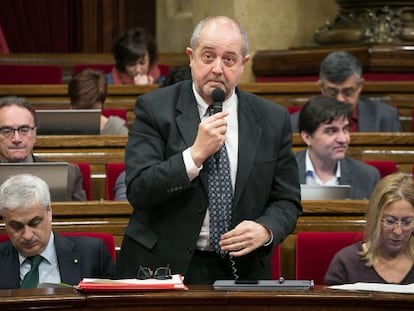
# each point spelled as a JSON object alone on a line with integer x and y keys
{"x": 315, "y": 250}
{"x": 108, "y": 239}
{"x": 105, "y": 68}
{"x": 30, "y": 74}
{"x": 275, "y": 263}
{"x": 293, "y": 109}
{"x": 85, "y": 170}
{"x": 164, "y": 69}
{"x": 4, "y": 238}
{"x": 412, "y": 119}
{"x": 385, "y": 167}
{"x": 112, "y": 172}
{"x": 119, "y": 112}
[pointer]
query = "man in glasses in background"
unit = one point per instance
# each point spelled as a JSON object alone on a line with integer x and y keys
{"x": 340, "y": 76}
{"x": 18, "y": 136}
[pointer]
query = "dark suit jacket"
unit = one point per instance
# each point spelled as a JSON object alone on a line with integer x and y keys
{"x": 75, "y": 189}
{"x": 78, "y": 257}
{"x": 362, "y": 177}
{"x": 169, "y": 209}
{"x": 373, "y": 116}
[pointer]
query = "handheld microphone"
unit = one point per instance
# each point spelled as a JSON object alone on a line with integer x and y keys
{"x": 218, "y": 97}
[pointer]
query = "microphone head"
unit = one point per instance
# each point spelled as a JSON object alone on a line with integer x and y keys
{"x": 217, "y": 95}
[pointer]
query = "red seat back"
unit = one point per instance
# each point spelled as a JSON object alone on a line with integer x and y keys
{"x": 275, "y": 263}
{"x": 315, "y": 250}
{"x": 412, "y": 120}
{"x": 30, "y": 74}
{"x": 385, "y": 167}
{"x": 105, "y": 68}
{"x": 85, "y": 170}
{"x": 112, "y": 172}
{"x": 119, "y": 112}
{"x": 293, "y": 109}
{"x": 164, "y": 69}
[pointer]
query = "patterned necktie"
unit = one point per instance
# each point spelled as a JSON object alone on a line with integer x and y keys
{"x": 220, "y": 195}
{"x": 31, "y": 279}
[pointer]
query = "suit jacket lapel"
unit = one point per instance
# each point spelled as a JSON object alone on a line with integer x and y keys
{"x": 188, "y": 120}
{"x": 11, "y": 267}
{"x": 69, "y": 260}
{"x": 249, "y": 137}
{"x": 346, "y": 177}
{"x": 301, "y": 159}
{"x": 188, "y": 117}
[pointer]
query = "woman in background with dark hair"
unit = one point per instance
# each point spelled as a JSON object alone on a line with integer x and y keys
{"x": 136, "y": 55}
{"x": 87, "y": 90}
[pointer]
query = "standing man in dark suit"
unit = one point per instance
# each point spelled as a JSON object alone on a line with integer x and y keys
{"x": 324, "y": 127}
{"x": 27, "y": 214}
{"x": 340, "y": 76}
{"x": 18, "y": 137}
{"x": 167, "y": 176}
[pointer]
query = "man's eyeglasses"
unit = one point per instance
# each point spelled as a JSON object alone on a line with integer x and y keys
{"x": 392, "y": 222}
{"x": 7, "y": 131}
{"x": 161, "y": 273}
{"x": 346, "y": 92}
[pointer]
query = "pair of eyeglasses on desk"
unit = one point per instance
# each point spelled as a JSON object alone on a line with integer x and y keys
{"x": 161, "y": 273}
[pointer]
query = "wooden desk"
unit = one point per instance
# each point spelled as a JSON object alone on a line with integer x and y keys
{"x": 97, "y": 150}
{"x": 113, "y": 217}
{"x": 399, "y": 94}
{"x": 55, "y": 96}
{"x": 50, "y": 299}
{"x": 204, "y": 298}
{"x": 101, "y": 149}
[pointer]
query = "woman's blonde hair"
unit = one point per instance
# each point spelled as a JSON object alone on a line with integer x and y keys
{"x": 391, "y": 188}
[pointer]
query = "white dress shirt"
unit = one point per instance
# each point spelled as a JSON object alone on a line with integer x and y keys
{"x": 313, "y": 179}
{"x": 48, "y": 268}
{"x": 232, "y": 143}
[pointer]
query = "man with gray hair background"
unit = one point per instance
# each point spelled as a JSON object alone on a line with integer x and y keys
{"x": 340, "y": 76}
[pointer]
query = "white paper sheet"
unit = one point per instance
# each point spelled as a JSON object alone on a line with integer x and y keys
{"x": 377, "y": 287}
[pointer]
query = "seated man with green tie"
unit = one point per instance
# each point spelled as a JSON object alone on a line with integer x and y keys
{"x": 35, "y": 254}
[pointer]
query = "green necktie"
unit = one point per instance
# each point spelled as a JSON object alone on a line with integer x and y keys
{"x": 31, "y": 279}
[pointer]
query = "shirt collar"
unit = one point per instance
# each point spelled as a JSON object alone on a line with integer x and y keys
{"x": 310, "y": 170}
{"x": 48, "y": 253}
{"x": 202, "y": 105}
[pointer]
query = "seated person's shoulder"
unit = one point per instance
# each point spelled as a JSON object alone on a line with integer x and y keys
{"x": 87, "y": 245}
{"x": 376, "y": 102}
{"x": 362, "y": 168}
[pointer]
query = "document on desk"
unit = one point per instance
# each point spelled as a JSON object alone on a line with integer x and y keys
{"x": 103, "y": 285}
{"x": 377, "y": 287}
